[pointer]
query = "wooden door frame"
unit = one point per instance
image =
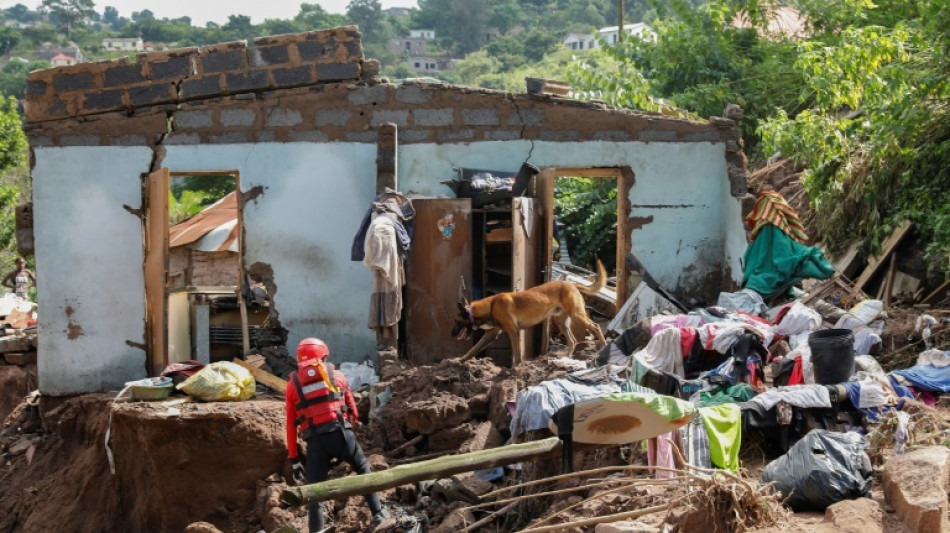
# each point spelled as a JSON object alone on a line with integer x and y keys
{"x": 544, "y": 189}
{"x": 157, "y": 186}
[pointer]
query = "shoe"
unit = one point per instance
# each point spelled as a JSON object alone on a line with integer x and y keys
{"x": 383, "y": 521}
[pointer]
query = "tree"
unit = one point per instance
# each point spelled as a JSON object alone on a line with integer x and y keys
{"x": 367, "y": 14}
{"x": 110, "y": 15}
{"x": 12, "y": 138}
{"x": 70, "y": 13}
{"x": 9, "y": 38}
{"x": 145, "y": 14}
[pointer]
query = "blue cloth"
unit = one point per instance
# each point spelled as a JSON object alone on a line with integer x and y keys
{"x": 873, "y": 413}
{"x": 902, "y": 391}
{"x": 927, "y": 377}
{"x": 392, "y": 202}
{"x": 536, "y": 404}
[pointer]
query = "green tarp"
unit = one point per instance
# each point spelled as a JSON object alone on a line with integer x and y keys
{"x": 774, "y": 261}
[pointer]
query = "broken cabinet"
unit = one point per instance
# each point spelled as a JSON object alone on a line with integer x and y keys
{"x": 441, "y": 255}
{"x": 507, "y": 244}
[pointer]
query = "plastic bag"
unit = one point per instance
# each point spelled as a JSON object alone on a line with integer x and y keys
{"x": 822, "y": 468}
{"x": 220, "y": 382}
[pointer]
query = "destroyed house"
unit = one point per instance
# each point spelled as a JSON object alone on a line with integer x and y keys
{"x": 310, "y": 133}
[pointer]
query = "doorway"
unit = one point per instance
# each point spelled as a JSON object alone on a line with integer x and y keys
{"x": 591, "y": 206}
{"x": 194, "y": 255}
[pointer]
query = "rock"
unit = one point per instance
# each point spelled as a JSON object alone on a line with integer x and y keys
{"x": 455, "y": 521}
{"x": 501, "y": 393}
{"x": 439, "y": 411}
{"x": 916, "y": 485}
{"x": 21, "y": 446}
{"x": 862, "y": 515}
{"x": 451, "y": 439}
{"x": 625, "y": 527}
{"x": 486, "y": 436}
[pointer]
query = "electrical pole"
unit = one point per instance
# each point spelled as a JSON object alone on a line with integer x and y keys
{"x": 619, "y": 20}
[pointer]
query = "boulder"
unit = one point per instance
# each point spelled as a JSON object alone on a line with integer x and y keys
{"x": 862, "y": 515}
{"x": 916, "y": 485}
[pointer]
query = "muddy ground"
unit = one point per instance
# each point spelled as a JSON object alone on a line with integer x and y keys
{"x": 225, "y": 464}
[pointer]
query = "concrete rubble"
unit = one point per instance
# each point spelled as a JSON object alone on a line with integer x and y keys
{"x": 916, "y": 485}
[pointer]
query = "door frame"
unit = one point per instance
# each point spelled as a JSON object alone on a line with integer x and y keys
{"x": 155, "y": 230}
{"x": 544, "y": 190}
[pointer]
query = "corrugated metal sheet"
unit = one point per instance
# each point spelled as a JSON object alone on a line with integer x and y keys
{"x": 215, "y": 229}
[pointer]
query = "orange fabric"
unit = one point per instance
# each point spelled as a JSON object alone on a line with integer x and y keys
{"x": 771, "y": 208}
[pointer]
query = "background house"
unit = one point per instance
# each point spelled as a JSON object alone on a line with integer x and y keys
{"x": 62, "y": 60}
{"x": 408, "y": 46}
{"x": 586, "y": 41}
{"x": 422, "y": 34}
{"x": 120, "y": 44}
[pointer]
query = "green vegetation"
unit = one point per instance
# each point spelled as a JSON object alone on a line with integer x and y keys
{"x": 587, "y": 207}
{"x": 14, "y": 179}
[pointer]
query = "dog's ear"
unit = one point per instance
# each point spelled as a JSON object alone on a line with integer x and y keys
{"x": 463, "y": 309}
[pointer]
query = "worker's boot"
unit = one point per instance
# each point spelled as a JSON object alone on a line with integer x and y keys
{"x": 383, "y": 521}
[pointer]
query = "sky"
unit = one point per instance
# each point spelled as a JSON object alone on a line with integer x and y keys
{"x": 201, "y": 11}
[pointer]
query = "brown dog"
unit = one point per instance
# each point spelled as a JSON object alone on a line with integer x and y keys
{"x": 513, "y": 311}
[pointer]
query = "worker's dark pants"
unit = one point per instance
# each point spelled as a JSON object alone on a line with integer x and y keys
{"x": 321, "y": 449}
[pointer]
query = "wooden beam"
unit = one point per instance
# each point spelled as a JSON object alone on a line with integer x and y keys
{"x": 263, "y": 376}
{"x": 875, "y": 263}
{"x": 939, "y": 290}
{"x": 431, "y": 469}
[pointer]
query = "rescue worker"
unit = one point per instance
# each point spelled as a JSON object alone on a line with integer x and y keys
{"x": 320, "y": 408}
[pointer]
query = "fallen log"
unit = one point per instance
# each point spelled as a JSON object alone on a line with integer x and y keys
{"x": 432, "y": 469}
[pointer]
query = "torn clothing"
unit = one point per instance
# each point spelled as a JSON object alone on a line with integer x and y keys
{"x": 387, "y": 202}
{"x": 383, "y": 255}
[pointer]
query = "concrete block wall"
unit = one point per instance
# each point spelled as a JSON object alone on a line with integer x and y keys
{"x": 185, "y": 74}
{"x": 353, "y": 112}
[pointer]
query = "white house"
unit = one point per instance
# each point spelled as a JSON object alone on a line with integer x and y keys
{"x": 62, "y": 60}
{"x": 582, "y": 41}
{"x": 117, "y": 44}
{"x": 424, "y": 34}
{"x": 579, "y": 41}
{"x": 423, "y": 64}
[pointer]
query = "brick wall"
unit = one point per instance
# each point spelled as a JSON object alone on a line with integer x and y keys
{"x": 187, "y": 74}
{"x": 353, "y": 112}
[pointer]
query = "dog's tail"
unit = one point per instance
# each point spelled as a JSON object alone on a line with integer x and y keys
{"x": 600, "y": 283}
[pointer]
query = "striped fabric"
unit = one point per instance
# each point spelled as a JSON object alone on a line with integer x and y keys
{"x": 771, "y": 208}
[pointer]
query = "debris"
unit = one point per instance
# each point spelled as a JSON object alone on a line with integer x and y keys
{"x": 541, "y": 86}
{"x": 916, "y": 485}
{"x": 821, "y": 469}
{"x": 220, "y": 382}
{"x": 262, "y": 376}
{"x": 887, "y": 247}
{"x": 862, "y": 515}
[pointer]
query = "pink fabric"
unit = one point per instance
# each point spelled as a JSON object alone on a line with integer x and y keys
{"x": 687, "y": 339}
{"x": 660, "y": 453}
{"x": 924, "y": 396}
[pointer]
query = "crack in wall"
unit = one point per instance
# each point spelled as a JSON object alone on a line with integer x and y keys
{"x": 524, "y": 126}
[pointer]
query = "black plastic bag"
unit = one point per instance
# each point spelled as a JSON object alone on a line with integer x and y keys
{"x": 823, "y": 468}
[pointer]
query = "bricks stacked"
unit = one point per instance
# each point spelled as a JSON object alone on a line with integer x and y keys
{"x": 194, "y": 73}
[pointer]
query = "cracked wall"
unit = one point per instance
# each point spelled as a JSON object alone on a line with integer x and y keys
{"x": 306, "y": 149}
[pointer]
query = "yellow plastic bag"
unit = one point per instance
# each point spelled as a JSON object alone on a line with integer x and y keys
{"x": 220, "y": 382}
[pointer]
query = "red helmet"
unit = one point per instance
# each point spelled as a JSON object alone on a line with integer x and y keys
{"x": 311, "y": 351}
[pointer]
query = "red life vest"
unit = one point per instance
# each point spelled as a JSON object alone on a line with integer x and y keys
{"x": 316, "y": 403}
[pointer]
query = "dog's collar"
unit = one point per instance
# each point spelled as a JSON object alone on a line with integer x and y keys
{"x": 471, "y": 316}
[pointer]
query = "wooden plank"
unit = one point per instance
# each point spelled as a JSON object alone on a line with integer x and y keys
{"x": 262, "y": 376}
{"x": 588, "y": 172}
{"x": 889, "y": 281}
{"x": 544, "y": 181}
{"x": 437, "y": 260}
{"x": 939, "y": 290}
{"x": 156, "y": 269}
{"x": 875, "y": 263}
{"x": 624, "y": 185}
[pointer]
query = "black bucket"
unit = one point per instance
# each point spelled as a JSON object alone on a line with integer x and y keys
{"x": 832, "y": 355}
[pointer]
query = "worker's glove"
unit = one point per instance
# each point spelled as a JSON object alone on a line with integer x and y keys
{"x": 299, "y": 472}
